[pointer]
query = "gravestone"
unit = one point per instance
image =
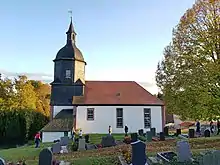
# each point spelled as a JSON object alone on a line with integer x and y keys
{"x": 108, "y": 141}
{"x": 2, "y": 161}
{"x": 56, "y": 148}
{"x": 90, "y": 147}
{"x": 166, "y": 131}
{"x": 162, "y": 137}
{"x": 191, "y": 133}
{"x": 207, "y": 133}
{"x": 183, "y": 151}
{"x": 178, "y": 132}
{"x": 141, "y": 132}
{"x": 45, "y": 157}
{"x": 153, "y": 131}
{"x": 82, "y": 145}
{"x": 149, "y": 136}
{"x": 64, "y": 141}
{"x": 87, "y": 138}
{"x": 212, "y": 158}
{"x": 138, "y": 153}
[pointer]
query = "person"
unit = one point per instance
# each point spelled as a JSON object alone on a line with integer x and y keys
{"x": 37, "y": 139}
{"x": 211, "y": 126}
{"x": 218, "y": 126}
{"x": 126, "y": 130}
{"x": 198, "y": 127}
{"x": 80, "y": 134}
{"x": 110, "y": 130}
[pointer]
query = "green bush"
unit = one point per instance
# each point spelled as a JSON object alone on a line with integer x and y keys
{"x": 74, "y": 146}
{"x": 19, "y": 126}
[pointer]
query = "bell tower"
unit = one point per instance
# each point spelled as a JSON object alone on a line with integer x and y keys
{"x": 69, "y": 72}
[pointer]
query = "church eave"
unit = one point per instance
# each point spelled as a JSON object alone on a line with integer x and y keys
{"x": 69, "y": 59}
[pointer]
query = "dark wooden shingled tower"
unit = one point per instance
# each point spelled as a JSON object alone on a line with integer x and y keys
{"x": 69, "y": 72}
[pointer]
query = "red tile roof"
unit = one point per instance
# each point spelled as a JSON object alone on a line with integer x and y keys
{"x": 117, "y": 92}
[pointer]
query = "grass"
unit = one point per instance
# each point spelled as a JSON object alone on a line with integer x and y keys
{"x": 97, "y": 138}
{"x": 105, "y": 156}
{"x": 22, "y": 153}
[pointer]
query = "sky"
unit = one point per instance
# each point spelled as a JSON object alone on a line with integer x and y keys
{"x": 120, "y": 39}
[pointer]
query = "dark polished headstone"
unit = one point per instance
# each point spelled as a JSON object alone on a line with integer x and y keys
{"x": 87, "y": 138}
{"x": 149, "y": 136}
{"x": 207, "y": 133}
{"x": 138, "y": 153}
{"x": 178, "y": 132}
{"x": 191, "y": 133}
{"x": 162, "y": 136}
{"x": 108, "y": 141}
{"x": 45, "y": 157}
{"x": 153, "y": 131}
{"x": 166, "y": 131}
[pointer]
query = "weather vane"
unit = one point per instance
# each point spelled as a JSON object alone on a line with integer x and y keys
{"x": 70, "y": 12}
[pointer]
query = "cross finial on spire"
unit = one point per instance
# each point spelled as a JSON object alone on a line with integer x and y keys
{"x": 71, "y": 14}
{"x": 71, "y": 29}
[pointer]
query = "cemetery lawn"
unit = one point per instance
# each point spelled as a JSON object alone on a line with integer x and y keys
{"x": 105, "y": 156}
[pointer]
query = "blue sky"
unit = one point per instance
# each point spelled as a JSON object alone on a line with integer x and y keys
{"x": 120, "y": 39}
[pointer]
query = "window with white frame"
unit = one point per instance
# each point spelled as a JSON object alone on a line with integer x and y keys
{"x": 68, "y": 74}
{"x": 90, "y": 113}
{"x": 119, "y": 117}
{"x": 147, "y": 118}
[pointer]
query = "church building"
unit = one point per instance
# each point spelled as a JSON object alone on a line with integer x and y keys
{"x": 93, "y": 106}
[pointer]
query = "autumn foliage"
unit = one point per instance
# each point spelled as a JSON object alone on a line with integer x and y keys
{"x": 24, "y": 109}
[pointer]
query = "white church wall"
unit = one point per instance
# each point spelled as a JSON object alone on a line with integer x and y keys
{"x": 104, "y": 116}
{"x": 57, "y": 109}
{"x": 51, "y": 136}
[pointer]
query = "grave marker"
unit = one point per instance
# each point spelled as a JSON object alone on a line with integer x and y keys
{"x": 207, "y": 133}
{"x": 183, "y": 151}
{"x": 87, "y": 138}
{"x": 149, "y": 136}
{"x": 45, "y": 157}
{"x": 56, "y": 148}
{"x": 166, "y": 131}
{"x": 212, "y": 158}
{"x": 82, "y": 145}
{"x": 64, "y": 141}
{"x": 162, "y": 137}
{"x": 138, "y": 153}
{"x": 153, "y": 130}
{"x": 108, "y": 141}
{"x": 191, "y": 133}
{"x": 178, "y": 132}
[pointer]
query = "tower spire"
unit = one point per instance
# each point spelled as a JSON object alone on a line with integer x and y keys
{"x": 71, "y": 33}
{"x": 71, "y": 29}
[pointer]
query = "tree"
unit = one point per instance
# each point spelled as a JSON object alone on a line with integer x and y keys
{"x": 25, "y": 94}
{"x": 43, "y": 93}
{"x": 189, "y": 74}
{"x": 7, "y": 95}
